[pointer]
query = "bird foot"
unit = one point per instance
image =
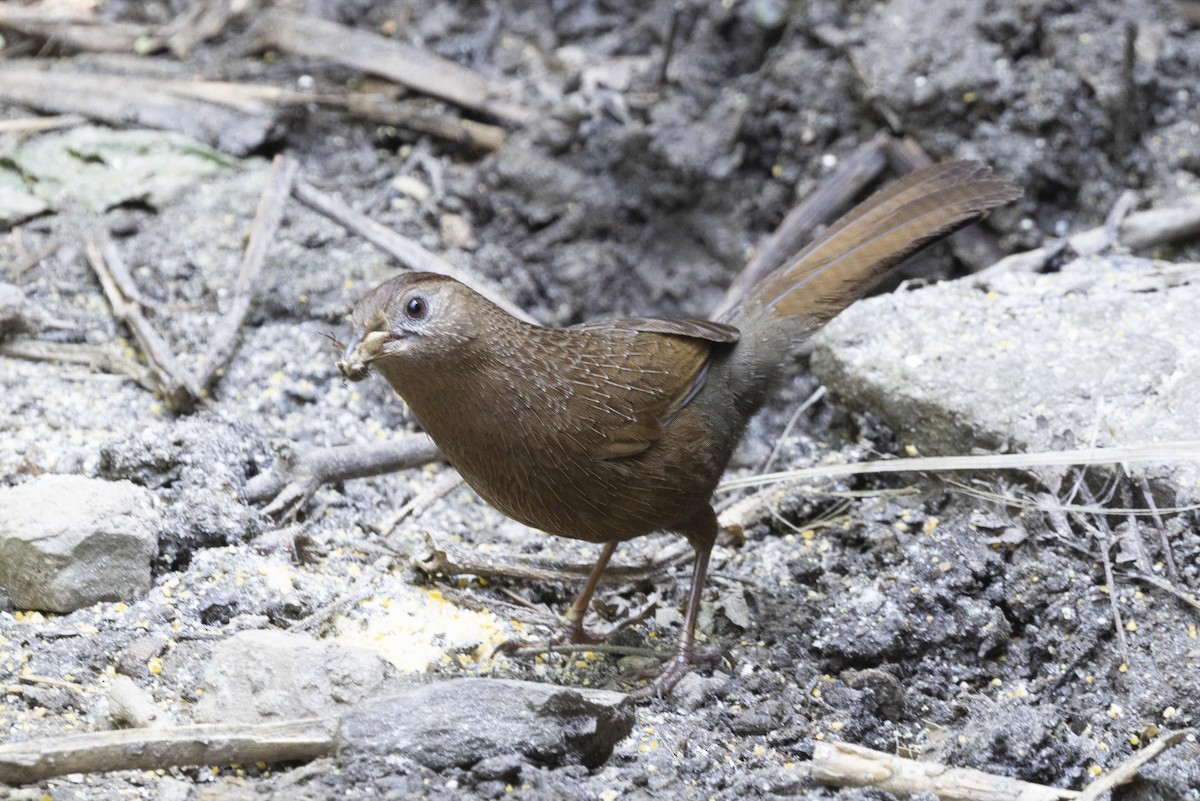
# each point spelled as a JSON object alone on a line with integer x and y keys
{"x": 664, "y": 677}
{"x": 567, "y": 636}
{"x": 575, "y": 634}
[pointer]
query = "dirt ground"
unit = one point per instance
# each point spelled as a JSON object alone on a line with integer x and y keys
{"x": 898, "y": 614}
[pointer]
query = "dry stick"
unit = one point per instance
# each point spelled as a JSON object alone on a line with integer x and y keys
{"x": 1103, "y": 535}
{"x": 1162, "y": 226}
{"x": 200, "y": 23}
{"x": 179, "y": 392}
{"x": 974, "y": 245}
{"x": 336, "y": 607}
{"x": 97, "y": 358}
{"x": 1181, "y": 451}
{"x": 536, "y": 649}
{"x": 298, "y": 477}
{"x": 233, "y": 121}
{"x": 266, "y": 223}
{"x": 526, "y": 613}
{"x": 79, "y": 31}
{"x": 46, "y": 681}
{"x": 1111, "y": 586}
{"x": 425, "y": 116}
{"x": 32, "y": 260}
{"x": 404, "y": 250}
{"x": 41, "y": 124}
{"x": 812, "y": 399}
{"x": 846, "y": 765}
{"x": 1165, "y": 586}
{"x": 835, "y": 191}
{"x": 1164, "y": 541}
{"x": 1138, "y": 231}
{"x": 122, "y": 278}
{"x": 443, "y": 486}
{"x": 151, "y": 749}
{"x": 409, "y": 66}
{"x": 1127, "y": 770}
{"x": 669, "y": 42}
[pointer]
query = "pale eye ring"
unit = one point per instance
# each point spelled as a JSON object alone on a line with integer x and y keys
{"x": 416, "y": 307}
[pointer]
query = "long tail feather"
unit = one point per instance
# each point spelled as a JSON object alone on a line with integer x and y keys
{"x": 853, "y": 254}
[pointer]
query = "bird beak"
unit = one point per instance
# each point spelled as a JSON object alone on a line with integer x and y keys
{"x": 364, "y": 347}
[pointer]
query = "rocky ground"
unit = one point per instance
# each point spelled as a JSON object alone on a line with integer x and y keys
{"x": 1037, "y": 624}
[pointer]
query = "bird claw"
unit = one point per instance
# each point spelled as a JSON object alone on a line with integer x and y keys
{"x": 569, "y": 635}
{"x": 575, "y": 634}
{"x": 664, "y": 677}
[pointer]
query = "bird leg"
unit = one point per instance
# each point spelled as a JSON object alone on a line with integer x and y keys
{"x": 702, "y": 536}
{"x": 573, "y": 631}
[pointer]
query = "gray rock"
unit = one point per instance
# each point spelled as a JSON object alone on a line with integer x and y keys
{"x": 1098, "y": 353}
{"x": 458, "y": 723}
{"x": 258, "y": 676}
{"x": 67, "y": 542}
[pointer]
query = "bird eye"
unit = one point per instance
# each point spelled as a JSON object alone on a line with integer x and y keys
{"x": 416, "y": 307}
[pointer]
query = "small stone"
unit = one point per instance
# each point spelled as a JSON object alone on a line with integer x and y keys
{"x": 457, "y": 232}
{"x": 411, "y": 187}
{"x": 131, "y": 706}
{"x": 462, "y": 722}
{"x": 258, "y": 676}
{"x": 67, "y": 542}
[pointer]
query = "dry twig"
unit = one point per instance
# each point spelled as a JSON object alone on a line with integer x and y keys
{"x": 1138, "y": 231}
{"x": 428, "y": 117}
{"x": 77, "y": 31}
{"x": 443, "y": 486}
{"x": 1127, "y": 770}
{"x": 152, "y": 749}
{"x": 1168, "y": 552}
{"x": 97, "y": 359}
{"x": 1166, "y": 586}
{"x": 1102, "y": 534}
{"x": 405, "y": 64}
{"x": 266, "y": 223}
{"x": 1182, "y": 451}
{"x": 846, "y": 765}
{"x": 26, "y": 125}
{"x": 229, "y": 117}
{"x": 295, "y": 478}
{"x": 200, "y": 23}
{"x": 179, "y": 391}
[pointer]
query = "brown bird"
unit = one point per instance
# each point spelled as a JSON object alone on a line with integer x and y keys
{"x": 612, "y": 430}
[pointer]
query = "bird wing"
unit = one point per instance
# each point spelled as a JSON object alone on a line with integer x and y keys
{"x": 645, "y": 372}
